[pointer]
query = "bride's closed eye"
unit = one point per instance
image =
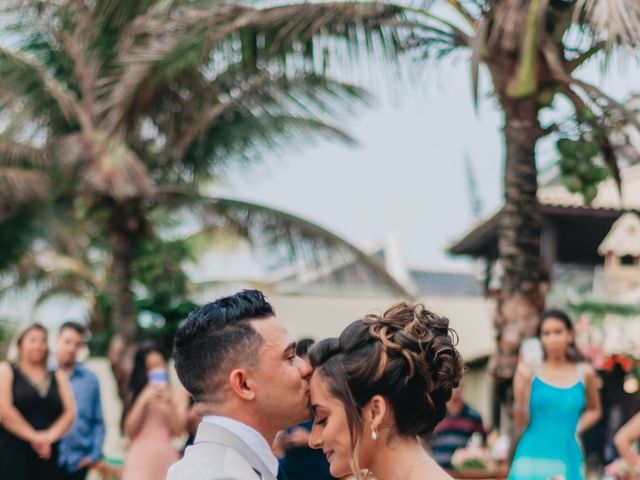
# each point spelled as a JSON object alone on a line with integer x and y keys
{"x": 320, "y": 421}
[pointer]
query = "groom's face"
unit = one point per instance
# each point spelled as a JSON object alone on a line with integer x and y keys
{"x": 282, "y": 385}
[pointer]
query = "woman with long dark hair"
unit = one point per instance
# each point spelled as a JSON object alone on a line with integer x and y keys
{"x": 553, "y": 404}
{"x": 153, "y": 414}
{"x": 36, "y": 408}
{"x": 378, "y": 388}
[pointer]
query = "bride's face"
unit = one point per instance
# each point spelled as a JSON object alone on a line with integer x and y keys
{"x": 330, "y": 430}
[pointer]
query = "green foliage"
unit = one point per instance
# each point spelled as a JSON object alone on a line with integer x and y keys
{"x": 158, "y": 266}
{"x": 579, "y": 162}
{"x": 17, "y": 233}
{"x": 169, "y": 319}
{"x": 597, "y": 309}
{"x": 7, "y": 330}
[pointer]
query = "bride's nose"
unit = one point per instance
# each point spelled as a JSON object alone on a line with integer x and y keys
{"x": 315, "y": 439}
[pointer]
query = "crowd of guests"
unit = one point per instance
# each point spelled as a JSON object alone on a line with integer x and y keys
{"x": 51, "y": 422}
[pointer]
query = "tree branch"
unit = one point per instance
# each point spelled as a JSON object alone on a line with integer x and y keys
{"x": 595, "y": 93}
{"x": 584, "y": 56}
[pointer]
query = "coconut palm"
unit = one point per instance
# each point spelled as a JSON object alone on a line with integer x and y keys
{"x": 139, "y": 103}
{"x": 532, "y": 51}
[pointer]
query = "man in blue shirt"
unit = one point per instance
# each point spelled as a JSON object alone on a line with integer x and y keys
{"x": 82, "y": 446}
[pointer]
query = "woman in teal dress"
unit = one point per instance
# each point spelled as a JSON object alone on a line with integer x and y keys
{"x": 554, "y": 402}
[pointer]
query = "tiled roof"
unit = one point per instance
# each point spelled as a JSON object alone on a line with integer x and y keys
{"x": 446, "y": 284}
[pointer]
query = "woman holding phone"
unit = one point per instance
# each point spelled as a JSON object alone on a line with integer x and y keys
{"x": 153, "y": 414}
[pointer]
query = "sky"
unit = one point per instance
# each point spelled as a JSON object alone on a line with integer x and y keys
{"x": 406, "y": 177}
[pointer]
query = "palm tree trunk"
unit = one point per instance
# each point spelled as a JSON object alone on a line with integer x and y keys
{"x": 124, "y": 230}
{"x": 523, "y": 284}
{"x": 123, "y": 311}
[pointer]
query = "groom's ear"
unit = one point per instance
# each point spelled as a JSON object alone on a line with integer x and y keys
{"x": 240, "y": 385}
{"x": 377, "y": 410}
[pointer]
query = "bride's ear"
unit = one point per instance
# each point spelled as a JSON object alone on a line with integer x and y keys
{"x": 377, "y": 411}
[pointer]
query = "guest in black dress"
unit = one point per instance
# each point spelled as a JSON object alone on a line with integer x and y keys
{"x": 36, "y": 408}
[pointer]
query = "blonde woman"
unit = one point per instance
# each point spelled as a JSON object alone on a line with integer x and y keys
{"x": 36, "y": 407}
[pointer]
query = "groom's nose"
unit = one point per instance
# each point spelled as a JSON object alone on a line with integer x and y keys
{"x": 305, "y": 368}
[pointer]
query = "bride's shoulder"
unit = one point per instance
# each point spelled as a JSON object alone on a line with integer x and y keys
{"x": 437, "y": 474}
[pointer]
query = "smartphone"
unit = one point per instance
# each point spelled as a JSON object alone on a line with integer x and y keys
{"x": 158, "y": 376}
{"x": 532, "y": 353}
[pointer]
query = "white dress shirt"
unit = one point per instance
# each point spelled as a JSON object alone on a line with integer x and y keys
{"x": 250, "y": 436}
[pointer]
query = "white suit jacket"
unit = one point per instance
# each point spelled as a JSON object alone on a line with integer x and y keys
{"x": 218, "y": 454}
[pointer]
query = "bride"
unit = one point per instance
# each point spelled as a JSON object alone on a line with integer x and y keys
{"x": 381, "y": 387}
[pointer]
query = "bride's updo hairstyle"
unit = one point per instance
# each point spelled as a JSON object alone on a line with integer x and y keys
{"x": 407, "y": 356}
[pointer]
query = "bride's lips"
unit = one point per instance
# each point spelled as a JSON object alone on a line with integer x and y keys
{"x": 328, "y": 454}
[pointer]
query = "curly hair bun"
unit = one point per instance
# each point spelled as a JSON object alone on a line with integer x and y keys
{"x": 408, "y": 355}
{"x": 424, "y": 339}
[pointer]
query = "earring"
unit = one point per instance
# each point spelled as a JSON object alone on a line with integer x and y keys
{"x": 374, "y": 434}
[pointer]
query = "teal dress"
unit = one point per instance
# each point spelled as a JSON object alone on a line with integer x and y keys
{"x": 549, "y": 447}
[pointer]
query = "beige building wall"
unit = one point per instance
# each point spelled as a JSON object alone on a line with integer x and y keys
{"x": 321, "y": 317}
{"x": 477, "y": 392}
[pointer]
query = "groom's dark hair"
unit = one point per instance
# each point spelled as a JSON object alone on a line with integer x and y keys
{"x": 213, "y": 336}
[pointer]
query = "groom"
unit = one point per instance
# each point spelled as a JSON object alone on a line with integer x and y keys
{"x": 238, "y": 362}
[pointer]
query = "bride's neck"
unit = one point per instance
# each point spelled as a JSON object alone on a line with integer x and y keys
{"x": 399, "y": 458}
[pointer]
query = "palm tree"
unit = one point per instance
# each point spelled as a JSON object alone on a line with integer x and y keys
{"x": 140, "y": 98}
{"x": 141, "y": 102}
{"x": 532, "y": 50}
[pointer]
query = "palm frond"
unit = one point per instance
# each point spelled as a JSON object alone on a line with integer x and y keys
{"x": 105, "y": 165}
{"x": 16, "y": 153}
{"x": 19, "y": 185}
{"x": 245, "y": 139}
{"x": 23, "y": 76}
{"x": 64, "y": 287}
{"x": 617, "y": 22}
{"x": 292, "y": 239}
{"x": 47, "y": 263}
{"x": 213, "y": 236}
{"x": 478, "y": 48}
{"x": 157, "y": 51}
{"x": 276, "y": 106}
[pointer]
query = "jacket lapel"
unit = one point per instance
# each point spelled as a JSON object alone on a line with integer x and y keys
{"x": 209, "y": 433}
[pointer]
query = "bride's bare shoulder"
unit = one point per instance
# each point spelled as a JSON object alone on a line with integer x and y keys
{"x": 440, "y": 474}
{"x": 432, "y": 471}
